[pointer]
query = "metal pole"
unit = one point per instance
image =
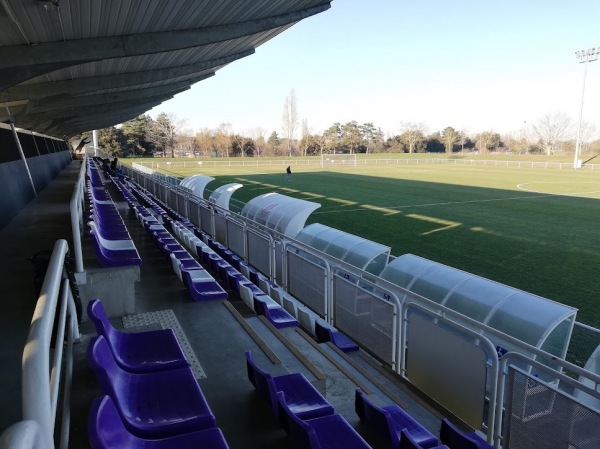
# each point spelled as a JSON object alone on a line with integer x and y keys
{"x": 16, "y": 136}
{"x": 584, "y": 57}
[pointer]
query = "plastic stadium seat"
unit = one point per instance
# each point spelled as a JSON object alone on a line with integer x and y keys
{"x": 107, "y": 431}
{"x": 152, "y": 405}
{"x": 408, "y": 442}
{"x": 139, "y": 352}
{"x": 304, "y": 399}
{"x": 454, "y": 438}
{"x": 330, "y": 431}
{"x": 391, "y": 420}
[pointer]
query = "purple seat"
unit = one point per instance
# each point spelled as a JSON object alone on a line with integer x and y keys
{"x": 151, "y": 405}
{"x": 325, "y": 432}
{"x": 277, "y": 315}
{"x": 325, "y": 332}
{"x": 202, "y": 286}
{"x": 115, "y": 258}
{"x": 408, "y": 442}
{"x": 390, "y": 420}
{"x": 107, "y": 431}
{"x": 139, "y": 352}
{"x": 454, "y": 438}
{"x": 302, "y": 398}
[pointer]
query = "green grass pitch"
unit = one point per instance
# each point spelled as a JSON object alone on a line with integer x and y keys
{"x": 533, "y": 229}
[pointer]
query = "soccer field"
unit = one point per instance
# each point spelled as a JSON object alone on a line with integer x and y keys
{"x": 533, "y": 229}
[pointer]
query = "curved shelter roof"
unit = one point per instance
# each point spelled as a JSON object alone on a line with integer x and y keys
{"x": 530, "y": 318}
{"x": 196, "y": 184}
{"x": 222, "y": 195}
{"x": 280, "y": 213}
{"x": 69, "y": 67}
{"x": 356, "y": 251}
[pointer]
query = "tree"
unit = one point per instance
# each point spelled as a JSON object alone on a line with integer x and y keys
{"x": 134, "y": 132}
{"x": 205, "y": 142}
{"x": 273, "y": 142}
{"x": 488, "y": 141}
{"x": 222, "y": 139}
{"x": 161, "y": 132}
{"x": 112, "y": 141}
{"x": 450, "y": 137}
{"x": 258, "y": 135}
{"x": 304, "y": 131}
{"x": 551, "y": 129}
{"x": 332, "y": 138}
{"x": 413, "y": 135}
{"x": 290, "y": 119}
{"x": 351, "y": 136}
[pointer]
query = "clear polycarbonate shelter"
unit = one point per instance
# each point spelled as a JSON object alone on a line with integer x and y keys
{"x": 196, "y": 184}
{"x": 221, "y": 195}
{"x": 532, "y": 319}
{"x": 280, "y": 213}
{"x": 356, "y": 251}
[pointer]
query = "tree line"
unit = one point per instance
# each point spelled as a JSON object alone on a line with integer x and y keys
{"x": 166, "y": 136}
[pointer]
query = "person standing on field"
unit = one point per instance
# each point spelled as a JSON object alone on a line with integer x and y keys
{"x": 289, "y": 173}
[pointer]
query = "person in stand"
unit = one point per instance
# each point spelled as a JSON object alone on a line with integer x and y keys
{"x": 113, "y": 164}
{"x": 288, "y": 173}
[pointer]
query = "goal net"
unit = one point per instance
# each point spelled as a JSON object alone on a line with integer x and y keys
{"x": 338, "y": 160}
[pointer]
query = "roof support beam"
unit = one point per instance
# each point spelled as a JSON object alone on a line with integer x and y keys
{"x": 68, "y": 102}
{"x": 81, "y": 86}
{"x": 20, "y": 62}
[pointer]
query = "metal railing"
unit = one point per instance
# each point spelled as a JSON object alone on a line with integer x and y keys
{"x": 42, "y": 375}
{"x": 77, "y": 211}
{"x": 171, "y": 166}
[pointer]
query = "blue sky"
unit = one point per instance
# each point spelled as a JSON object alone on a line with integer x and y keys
{"x": 474, "y": 65}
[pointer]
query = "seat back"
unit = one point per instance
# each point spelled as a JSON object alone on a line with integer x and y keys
{"x": 262, "y": 381}
{"x": 302, "y": 432}
{"x": 105, "y": 426}
{"x": 375, "y": 415}
{"x": 451, "y": 436}
{"x": 112, "y": 378}
{"x": 98, "y": 316}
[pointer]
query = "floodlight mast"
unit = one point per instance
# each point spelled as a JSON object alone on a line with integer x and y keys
{"x": 584, "y": 56}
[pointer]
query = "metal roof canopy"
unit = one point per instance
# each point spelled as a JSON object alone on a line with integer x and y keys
{"x": 537, "y": 321}
{"x": 357, "y": 251}
{"x": 196, "y": 184}
{"x": 69, "y": 67}
{"x": 221, "y": 195}
{"x": 280, "y": 213}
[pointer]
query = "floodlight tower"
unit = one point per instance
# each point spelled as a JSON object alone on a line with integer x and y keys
{"x": 584, "y": 56}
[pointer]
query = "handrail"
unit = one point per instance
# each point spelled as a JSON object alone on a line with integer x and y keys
{"x": 76, "y": 206}
{"x": 40, "y": 393}
{"x": 22, "y": 435}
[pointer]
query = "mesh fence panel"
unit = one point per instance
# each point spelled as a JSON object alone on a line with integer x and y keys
{"x": 180, "y": 203}
{"x": 258, "y": 252}
{"x": 194, "y": 214}
{"x": 583, "y": 343}
{"x": 306, "y": 281}
{"x": 220, "y": 228}
{"x": 206, "y": 220}
{"x": 364, "y": 317}
{"x": 235, "y": 238}
{"x": 539, "y": 416}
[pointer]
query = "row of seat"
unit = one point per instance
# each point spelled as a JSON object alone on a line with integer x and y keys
{"x": 199, "y": 282}
{"x": 149, "y": 396}
{"x": 302, "y": 411}
{"x": 111, "y": 240}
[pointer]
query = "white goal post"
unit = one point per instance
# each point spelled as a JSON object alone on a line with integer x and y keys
{"x": 338, "y": 159}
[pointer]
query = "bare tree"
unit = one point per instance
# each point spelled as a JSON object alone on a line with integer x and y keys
{"x": 305, "y": 132}
{"x": 290, "y": 119}
{"x": 258, "y": 135}
{"x": 163, "y": 130}
{"x": 222, "y": 139}
{"x": 551, "y": 129}
{"x": 412, "y": 134}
